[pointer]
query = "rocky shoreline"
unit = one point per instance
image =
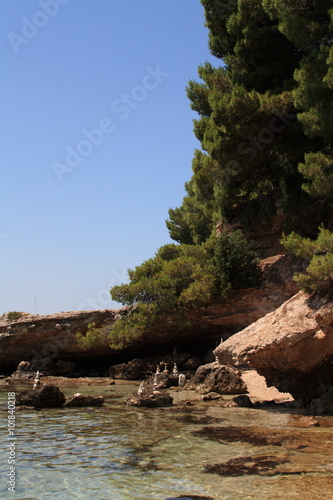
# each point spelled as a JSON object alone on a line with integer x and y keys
{"x": 283, "y": 334}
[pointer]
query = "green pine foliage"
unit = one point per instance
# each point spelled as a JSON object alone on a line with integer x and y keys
{"x": 318, "y": 277}
{"x": 177, "y": 279}
{"x": 94, "y": 337}
{"x": 264, "y": 115}
{"x": 237, "y": 266}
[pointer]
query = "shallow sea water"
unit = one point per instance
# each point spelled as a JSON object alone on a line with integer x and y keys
{"x": 124, "y": 453}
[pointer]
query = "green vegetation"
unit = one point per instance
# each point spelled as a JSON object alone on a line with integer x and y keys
{"x": 265, "y": 116}
{"x": 319, "y": 254}
{"x": 178, "y": 278}
{"x": 13, "y": 315}
{"x": 265, "y": 126}
{"x": 94, "y": 337}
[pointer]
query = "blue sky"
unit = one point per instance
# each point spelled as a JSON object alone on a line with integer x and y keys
{"x": 96, "y": 142}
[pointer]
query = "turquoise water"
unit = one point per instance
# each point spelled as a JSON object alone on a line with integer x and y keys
{"x": 123, "y": 453}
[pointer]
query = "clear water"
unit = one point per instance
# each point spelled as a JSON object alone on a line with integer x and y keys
{"x": 123, "y": 453}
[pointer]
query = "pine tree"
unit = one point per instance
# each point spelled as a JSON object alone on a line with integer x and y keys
{"x": 258, "y": 111}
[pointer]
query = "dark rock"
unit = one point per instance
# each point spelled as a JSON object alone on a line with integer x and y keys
{"x": 46, "y": 396}
{"x": 222, "y": 379}
{"x": 261, "y": 465}
{"x": 150, "y": 399}
{"x": 163, "y": 380}
{"x": 243, "y": 401}
{"x": 323, "y": 405}
{"x": 190, "y": 497}
{"x": 128, "y": 371}
{"x": 209, "y": 357}
{"x": 81, "y": 400}
{"x": 64, "y": 367}
{"x": 192, "y": 364}
{"x": 256, "y": 436}
{"x": 45, "y": 365}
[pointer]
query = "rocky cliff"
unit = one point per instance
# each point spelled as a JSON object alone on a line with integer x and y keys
{"x": 291, "y": 347}
{"x": 34, "y": 336}
{"x": 54, "y": 336}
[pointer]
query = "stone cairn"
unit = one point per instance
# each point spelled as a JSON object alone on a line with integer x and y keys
{"x": 37, "y": 382}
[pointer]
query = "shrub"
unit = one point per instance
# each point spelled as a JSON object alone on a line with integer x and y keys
{"x": 13, "y": 315}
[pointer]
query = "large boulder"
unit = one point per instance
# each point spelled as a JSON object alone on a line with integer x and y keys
{"x": 46, "y": 396}
{"x": 214, "y": 377}
{"x": 291, "y": 347}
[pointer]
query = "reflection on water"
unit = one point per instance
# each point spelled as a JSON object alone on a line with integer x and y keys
{"x": 122, "y": 453}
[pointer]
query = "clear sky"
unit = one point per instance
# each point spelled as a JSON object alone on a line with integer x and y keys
{"x": 96, "y": 142}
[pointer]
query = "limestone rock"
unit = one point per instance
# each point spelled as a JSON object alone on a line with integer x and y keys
{"x": 291, "y": 347}
{"x": 221, "y": 379}
{"x": 34, "y": 337}
{"x": 46, "y": 396}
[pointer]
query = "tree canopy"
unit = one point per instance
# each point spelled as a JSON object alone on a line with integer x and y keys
{"x": 265, "y": 114}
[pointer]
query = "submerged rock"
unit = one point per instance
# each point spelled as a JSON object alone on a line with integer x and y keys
{"x": 46, "y": 396}
{"x": 211, "y": 396}
{"x": 190, "y": 497}
{"x": 261, "y": 465}
{"x": 221, "y": 379}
